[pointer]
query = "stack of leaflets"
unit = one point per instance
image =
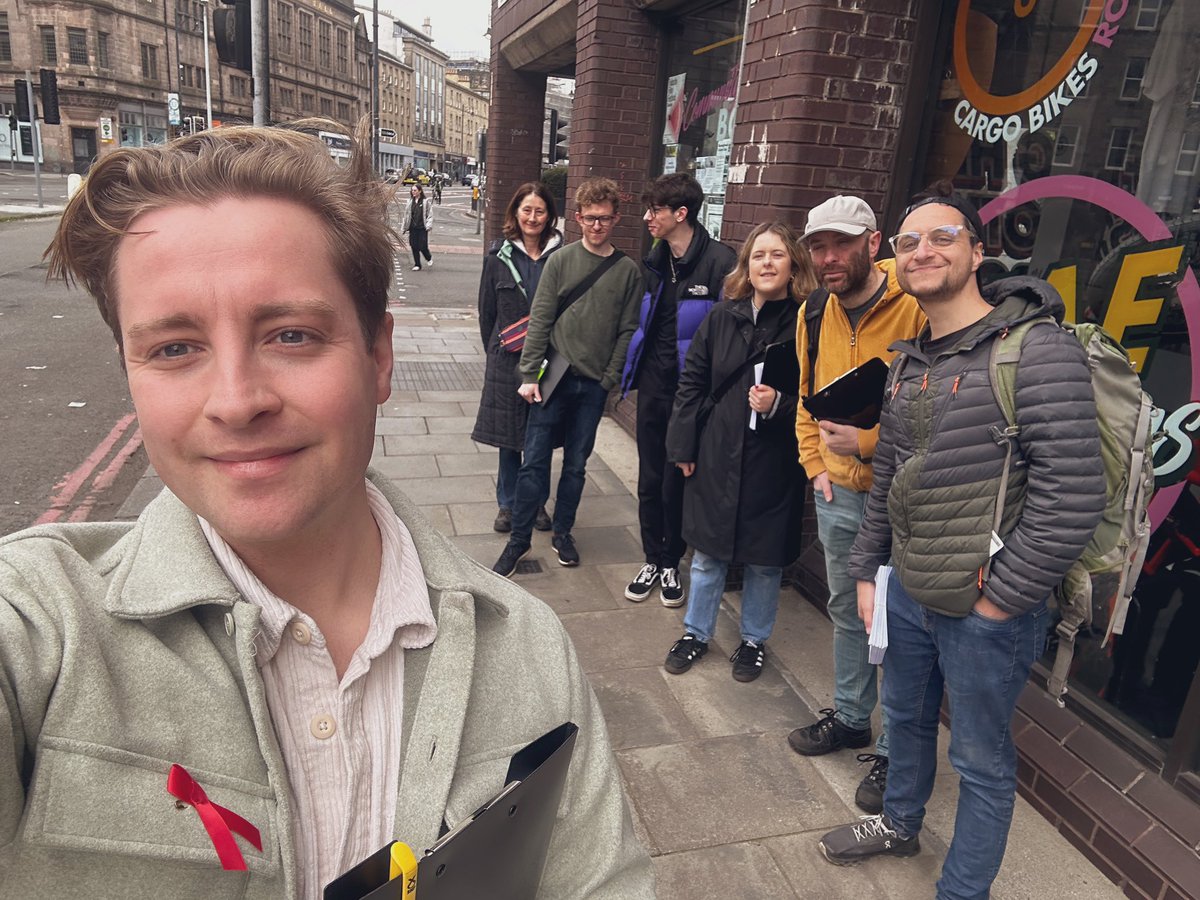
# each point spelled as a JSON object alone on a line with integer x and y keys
{"x": 877, "y": 641}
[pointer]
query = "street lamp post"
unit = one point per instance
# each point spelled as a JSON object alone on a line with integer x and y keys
{"x": 207, "y": 77}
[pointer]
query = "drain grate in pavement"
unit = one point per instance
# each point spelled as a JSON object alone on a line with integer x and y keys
{"x": 529, "y": 567}
{"x": 438, "y": 376}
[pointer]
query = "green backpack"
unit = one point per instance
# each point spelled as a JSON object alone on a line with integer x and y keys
{"x": 1118, "y": 547}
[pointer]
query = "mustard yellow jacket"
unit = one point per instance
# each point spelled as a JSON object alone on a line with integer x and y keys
{"x": 895, "y": 317}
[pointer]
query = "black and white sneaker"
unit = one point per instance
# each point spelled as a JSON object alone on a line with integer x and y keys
{"x": 870, "y": 836}
{"x": 672, "y": 590}
{"x": 564, "y": 546}
{"x": 748, "y": 660}
{"x": 869, "y": 796}
{"x": 683, "y": 653}
{"x": 513, "y": 554}
{"x": 643, "y": 583}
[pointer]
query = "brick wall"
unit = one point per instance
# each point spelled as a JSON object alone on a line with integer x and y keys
{"x": 616, "y": 63}
{"x": 1130, "y": 823}
{"x": 514, "y": 141}
{"x": 819, "y": 106}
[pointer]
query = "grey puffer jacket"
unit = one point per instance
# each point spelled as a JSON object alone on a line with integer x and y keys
{"x": 938, "y": 468}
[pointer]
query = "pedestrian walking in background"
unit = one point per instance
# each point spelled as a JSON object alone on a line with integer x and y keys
{"x": 582, "y": 317}
{"x": 966, "y": 601}
{"x": 512, "y": 269}
{"x": 417, "y": 223}
{"x": 734, "y": 440}
{"x": 860, "y": 310}
{"x": 684, "y": 271}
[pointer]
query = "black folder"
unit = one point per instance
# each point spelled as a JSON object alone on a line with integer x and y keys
{"x": 498, "y": 852}
{"x": 855, "y": 398}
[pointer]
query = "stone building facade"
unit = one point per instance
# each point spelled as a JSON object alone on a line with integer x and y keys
{"x": 466, "y": 119}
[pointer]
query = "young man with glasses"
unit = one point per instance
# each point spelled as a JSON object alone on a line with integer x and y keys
{"x": 865, "y": 311}
{"x": 684, "y": 271}
{"x": 592, "y": 333}
{"x": 966, "y": 601}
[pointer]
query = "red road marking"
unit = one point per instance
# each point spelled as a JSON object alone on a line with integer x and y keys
{"x": 66, "y": 489}
{"x": 104, "y": 480}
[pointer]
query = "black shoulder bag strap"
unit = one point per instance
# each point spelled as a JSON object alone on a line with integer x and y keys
{"x": 586, "y": 285}
{"x": 814, "y": 309}
{"x": 737, "y": 373}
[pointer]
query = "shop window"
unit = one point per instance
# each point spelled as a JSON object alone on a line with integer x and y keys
{"x": 49, "y": 45}
{"x": 1147, "y": 15}
{"x": 1135, "y": 72}
{"x": 1118, "y": 149}
{"x": 1189, "y": 151}
{"x": 1119, "y": 236}
{"x": 1065, "y": 144}
{"x": 77, "y": 46}
{"x": 700, "y": 103}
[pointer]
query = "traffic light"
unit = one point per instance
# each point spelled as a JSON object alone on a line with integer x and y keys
{"x": 12, "y": 121}
{"x": 482, "y": 154}
{"x": 231, "y": 27}
{"x": 560, "y": 137}
{"x": 22, "y": 87}
{"x": 48, "y": 80}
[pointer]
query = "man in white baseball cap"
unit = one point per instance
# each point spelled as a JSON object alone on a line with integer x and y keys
{"x": 856, "y": 313}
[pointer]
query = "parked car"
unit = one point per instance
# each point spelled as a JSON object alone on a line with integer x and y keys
{"x": 391, "y": 176}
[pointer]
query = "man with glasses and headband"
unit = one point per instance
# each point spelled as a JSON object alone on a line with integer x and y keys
{"x": 684, "y": 271}
{"x": 591, "y": 329}
{"x": 864, "y": 310}
{"x": 966, "y": 598}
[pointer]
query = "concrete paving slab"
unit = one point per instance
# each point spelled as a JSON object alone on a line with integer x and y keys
{"x": 468, "y": 463}
{"x": 450, "y": 425}
{"x": 449, "y": 396}
{"x": 403, "y": 356}
{"x": 624, "y": 638}
{"x": 439, "y": 517}
{"x": 402, "y": 468}
{"x": 474, "y": 518}
{"x": 744, "y": 870}
{"x": 568, "y": 590}
{"x": 455, "y": 489}
{"x": 422, "y": 408}
{"x": 811, "y": 875}
{"x": 724, "y": 790}
{"x": 427, "y": 444}
{"x": 400, "y": 425}
{"x": 640, "y": 709}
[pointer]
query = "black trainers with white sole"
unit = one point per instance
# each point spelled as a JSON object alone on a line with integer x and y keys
{"x": 564, "y": 546}
{"x": 672, "y": 591}
{"x": 683, "y": 653}
{"x": 513, "y": 554}
{"x": 748, "y": 660}
{"x": 643, "y": 583}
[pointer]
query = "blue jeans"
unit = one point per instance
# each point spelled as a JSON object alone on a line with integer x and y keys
{"x": 506, "y": 477}
{"x": 576, "y": 406}
{"x": 855, "y": 690}
{"x": 760, "y": 598}
{"x": 983, "y": 664}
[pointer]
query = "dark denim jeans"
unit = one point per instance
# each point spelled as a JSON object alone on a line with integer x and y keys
{"x": 506, "y": 477}
{"x": 576, "y": 406}
{"x": 982, "y": 664}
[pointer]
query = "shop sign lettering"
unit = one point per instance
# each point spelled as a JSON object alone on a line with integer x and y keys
{"x": 991, "y": 118}
{"x": 1163, "y": 264}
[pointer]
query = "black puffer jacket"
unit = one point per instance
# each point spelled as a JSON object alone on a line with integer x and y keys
{"x": 502, "y": 301}
{"x": 937, "y": 467}
{"x": 745, "y": 501}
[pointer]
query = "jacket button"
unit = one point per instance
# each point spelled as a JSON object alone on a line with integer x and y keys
{"x": 323, "y": 727}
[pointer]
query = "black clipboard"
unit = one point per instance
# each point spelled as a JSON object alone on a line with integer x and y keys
{"x": 854, "y": 398}
{"x": 554, "y": 369}
{"x": 497, "y": 852}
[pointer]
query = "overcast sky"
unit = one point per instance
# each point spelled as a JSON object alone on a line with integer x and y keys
{"x": 458, "y": 25}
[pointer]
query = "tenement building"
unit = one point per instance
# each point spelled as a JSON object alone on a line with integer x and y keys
{"x": 1074, "y": 126}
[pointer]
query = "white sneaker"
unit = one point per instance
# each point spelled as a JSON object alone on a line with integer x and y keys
{"x": 416, "y": 268}
{"x": 429, "y": 262}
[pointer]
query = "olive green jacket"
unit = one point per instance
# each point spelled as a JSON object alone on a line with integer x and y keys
{"x": 124, "y": 648}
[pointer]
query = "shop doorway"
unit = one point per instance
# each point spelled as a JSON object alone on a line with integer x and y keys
{"x": 83, "y": 149}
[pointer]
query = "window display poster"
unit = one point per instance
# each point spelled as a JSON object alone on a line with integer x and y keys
{"x": 675, "y": 108}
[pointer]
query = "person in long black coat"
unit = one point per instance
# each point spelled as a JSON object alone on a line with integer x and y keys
{"x": 511, "y": 271}
{"x": 744, "y": 487}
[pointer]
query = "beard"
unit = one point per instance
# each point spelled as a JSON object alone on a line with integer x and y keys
{"x": 857, "y": 271}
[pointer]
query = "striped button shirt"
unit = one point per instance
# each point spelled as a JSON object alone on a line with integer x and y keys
{"x": 340, "y": 741}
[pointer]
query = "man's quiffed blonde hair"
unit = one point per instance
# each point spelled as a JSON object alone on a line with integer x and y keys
{"x": 285, "y": 162}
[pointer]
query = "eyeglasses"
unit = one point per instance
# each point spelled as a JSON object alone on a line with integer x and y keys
{"x": 655, "y": 210}
{"x": 941, "y": 238}
{"x": 593, "y": 221}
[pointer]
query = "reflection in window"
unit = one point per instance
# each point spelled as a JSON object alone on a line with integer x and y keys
{"x": 1147, "y": 15}
{"x": 1189, "y": 151}
{"x": 1135, "y": 71}
{"x": 1118, "y": 149}
{"x": 1064, "y": 146}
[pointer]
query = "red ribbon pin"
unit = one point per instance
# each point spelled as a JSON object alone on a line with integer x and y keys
{"x": 220, "y": 823}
